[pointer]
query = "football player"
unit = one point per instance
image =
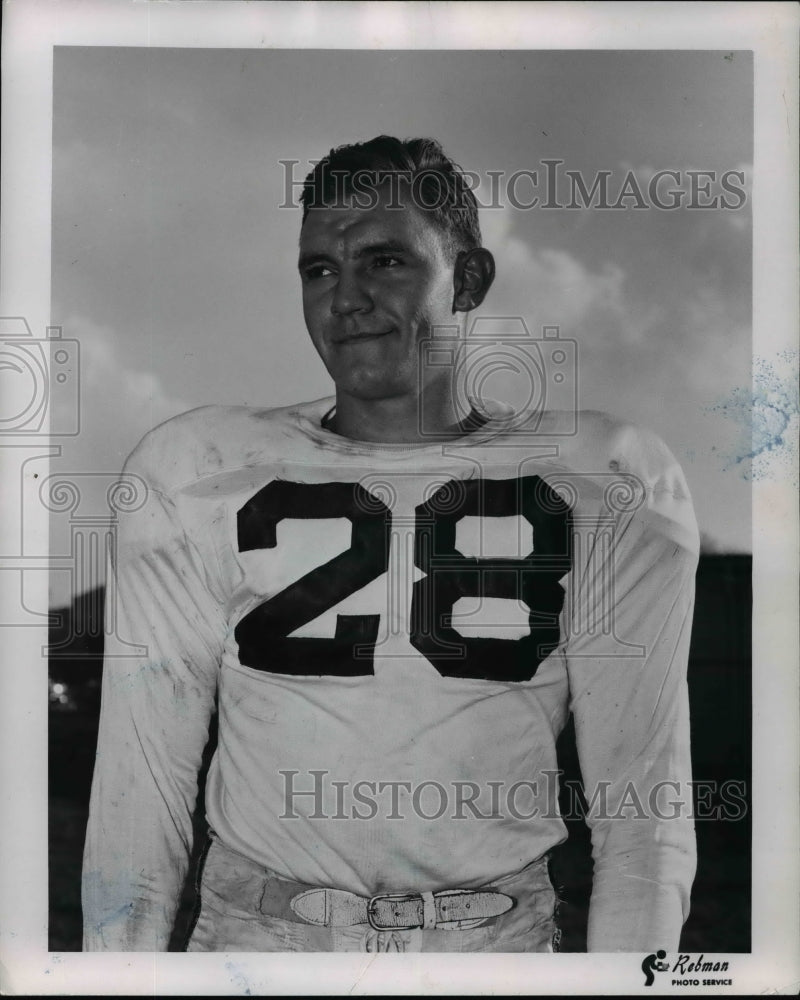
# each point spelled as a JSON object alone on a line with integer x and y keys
{"x": 393, "y": 598}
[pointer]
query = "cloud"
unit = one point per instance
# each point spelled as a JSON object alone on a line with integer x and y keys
{"x": 119, "y": 403}
{"x": 660, "y": 353}
{"x": 667, "y": 332}
{"x": 549, "y": 286}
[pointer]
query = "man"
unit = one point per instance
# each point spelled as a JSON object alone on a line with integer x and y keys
{"x": 395, "y": 601}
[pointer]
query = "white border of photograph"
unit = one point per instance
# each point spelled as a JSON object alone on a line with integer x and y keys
{"x": 31, "y": 29}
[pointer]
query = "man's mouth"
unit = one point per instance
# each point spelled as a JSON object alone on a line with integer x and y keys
{"x": 362, "y": 336}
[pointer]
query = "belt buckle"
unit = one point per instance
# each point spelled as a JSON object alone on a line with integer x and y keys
{"x": 405, "y": 897}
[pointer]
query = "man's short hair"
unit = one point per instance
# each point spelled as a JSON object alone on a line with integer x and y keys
{"x": 420, "y": 171}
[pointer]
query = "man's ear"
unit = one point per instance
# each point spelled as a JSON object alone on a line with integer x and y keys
{"x": 473, "y": 275}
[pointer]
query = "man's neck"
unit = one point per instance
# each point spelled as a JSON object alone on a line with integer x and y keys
{"x": 400, "y": 420}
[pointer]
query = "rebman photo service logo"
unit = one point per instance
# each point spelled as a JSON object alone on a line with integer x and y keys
{"x": 686, "y": 970}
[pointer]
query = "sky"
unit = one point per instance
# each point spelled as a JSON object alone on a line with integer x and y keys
{"x": 174, "y": 249}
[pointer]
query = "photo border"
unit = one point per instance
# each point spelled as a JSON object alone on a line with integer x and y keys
{"x": 31, "y": 29}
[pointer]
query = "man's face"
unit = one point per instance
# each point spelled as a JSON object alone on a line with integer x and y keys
{"x": 375, "y": 282}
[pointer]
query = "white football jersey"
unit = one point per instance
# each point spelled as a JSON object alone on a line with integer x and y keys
{"x": 393, "y": 636}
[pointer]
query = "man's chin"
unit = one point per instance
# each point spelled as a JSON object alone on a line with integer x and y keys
{"x": 373, "y": 387}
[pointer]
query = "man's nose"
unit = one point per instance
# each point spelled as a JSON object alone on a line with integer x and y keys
{"x": 350, "y": 295}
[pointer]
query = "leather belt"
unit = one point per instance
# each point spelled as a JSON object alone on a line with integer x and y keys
{"x": 449, "y": 909}
{"x": 247, "y": 885}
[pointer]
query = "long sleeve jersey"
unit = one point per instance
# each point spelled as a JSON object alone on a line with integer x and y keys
{"x": 393, "y": 637}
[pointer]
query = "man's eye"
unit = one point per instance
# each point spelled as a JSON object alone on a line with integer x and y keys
{"x": 317, "y": 271}
{"x": 386, "y": 260}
